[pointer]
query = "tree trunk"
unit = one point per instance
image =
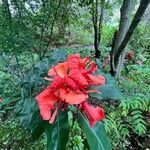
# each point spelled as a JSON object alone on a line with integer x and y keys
{"x": 125, "y": 12}
{"x": 97, "y": 24}
{"x": 136, "y": 20}
{"x": 118, "y": 52}
{"x": 146, "y": 16}
{"x": 101, "y": 23}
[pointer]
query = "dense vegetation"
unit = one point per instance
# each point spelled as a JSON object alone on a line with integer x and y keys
{"x": 34, "y": 35}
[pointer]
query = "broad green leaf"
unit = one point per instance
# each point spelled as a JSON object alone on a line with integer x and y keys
{"x": 96, "y": 136}
{"x": 57, "y": 134}
{"x": 25, "y": 108}
{"x": 44, "y": 65}
{"x": 37, "y": 125}
{"x": 110, "y": 79}
{"x": 110, "y": 91}
{"x": 107, "y": 92}
{"x": 38, "y": 129}
{"x": 59, "y": 55}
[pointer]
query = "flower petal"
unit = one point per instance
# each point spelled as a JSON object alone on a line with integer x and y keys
{"x": 60, "y": 70}
{"x": 46, "y": 100}
{"x": 92, "y": 67}
{"x": 75, "y": 98}
{"x": 71, "y": 83}
{"x": 57, "y": 83}
{"x": 94, "y": 114}
{"x": 73, "y": 61}
{"x": 77, "y": 76}
{"x": 62, "y": 93}
{"x": 95, "y": 80}
{"x": 53, "y": 116}
{"x": 85, "y": 60}
{"x": 71, "y": 97}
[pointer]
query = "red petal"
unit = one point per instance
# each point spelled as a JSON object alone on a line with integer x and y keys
{"x": 71, "y": 97}
{"x": 77, "y": 76}
{"x": 95, "y": 80}
{"x": 57, "y": 82}
{"x": 72, "y": 84}
{"x": 62, "y": 93}
{"x": 60, "y": 70}
{"x": 46, "y": 100}
{"x": 93, "y": 91}
{"x": 75, "y": 98}
{"x": 53, "y": 116}
{"x": 73, "y": 61}
{"x": 92, "y": 67}
{"x": 94, "y": 114}
{"x": 85, "y": 60}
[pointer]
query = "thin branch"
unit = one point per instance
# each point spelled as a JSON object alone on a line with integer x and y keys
{"x": 51, "y": 30}
{"x": 9, "y": 66}
{"x": 21, "y": 74}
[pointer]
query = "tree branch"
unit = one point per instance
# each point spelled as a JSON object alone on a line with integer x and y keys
{"x": 51, "y": 30}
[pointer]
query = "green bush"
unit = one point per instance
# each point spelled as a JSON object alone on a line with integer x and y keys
{"x": 13, "y": 136}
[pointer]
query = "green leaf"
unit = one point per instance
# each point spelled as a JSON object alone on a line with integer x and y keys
{"x": 59, "y": 55}
{"x": 96, "y": 136}
{"x": 107, "y": 92}
{"x": 37, "y": 125}
{"x": 57, "y": 134}
{"x": 44, "y": 65}
{"x": 110, "y": 79}
{"x": 25, "y": 109}
{"x": 38, "y": 130}
{"x": 110, "y": 91}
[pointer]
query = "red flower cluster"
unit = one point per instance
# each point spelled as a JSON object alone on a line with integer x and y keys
{"x": 70, "y": 81}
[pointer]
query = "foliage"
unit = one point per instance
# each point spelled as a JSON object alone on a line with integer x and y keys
{"x": 126, "y": 120}
{"x": 95, "y": 136}
{"x": 107, "y": 34}
{"x": 27, "y": 108}
{"x": 36, "y": 28}
{"x": 13, "y": 136}
{"x": 130, "y": 119}
{"x": 57, "y": 134}
{"x": 76, "y": 137}
{"x": 141, "y": 43}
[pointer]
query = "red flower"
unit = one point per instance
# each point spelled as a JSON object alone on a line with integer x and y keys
{"x": 81, "y": 71}
{"x": 94, "y": 114}
{"x": 59, "y": 70}
{"x": 46, "y": 101}
{"x": 69, "y": 82}
{"x": 75, "y": 62}
{"x": 61, "y": 90}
